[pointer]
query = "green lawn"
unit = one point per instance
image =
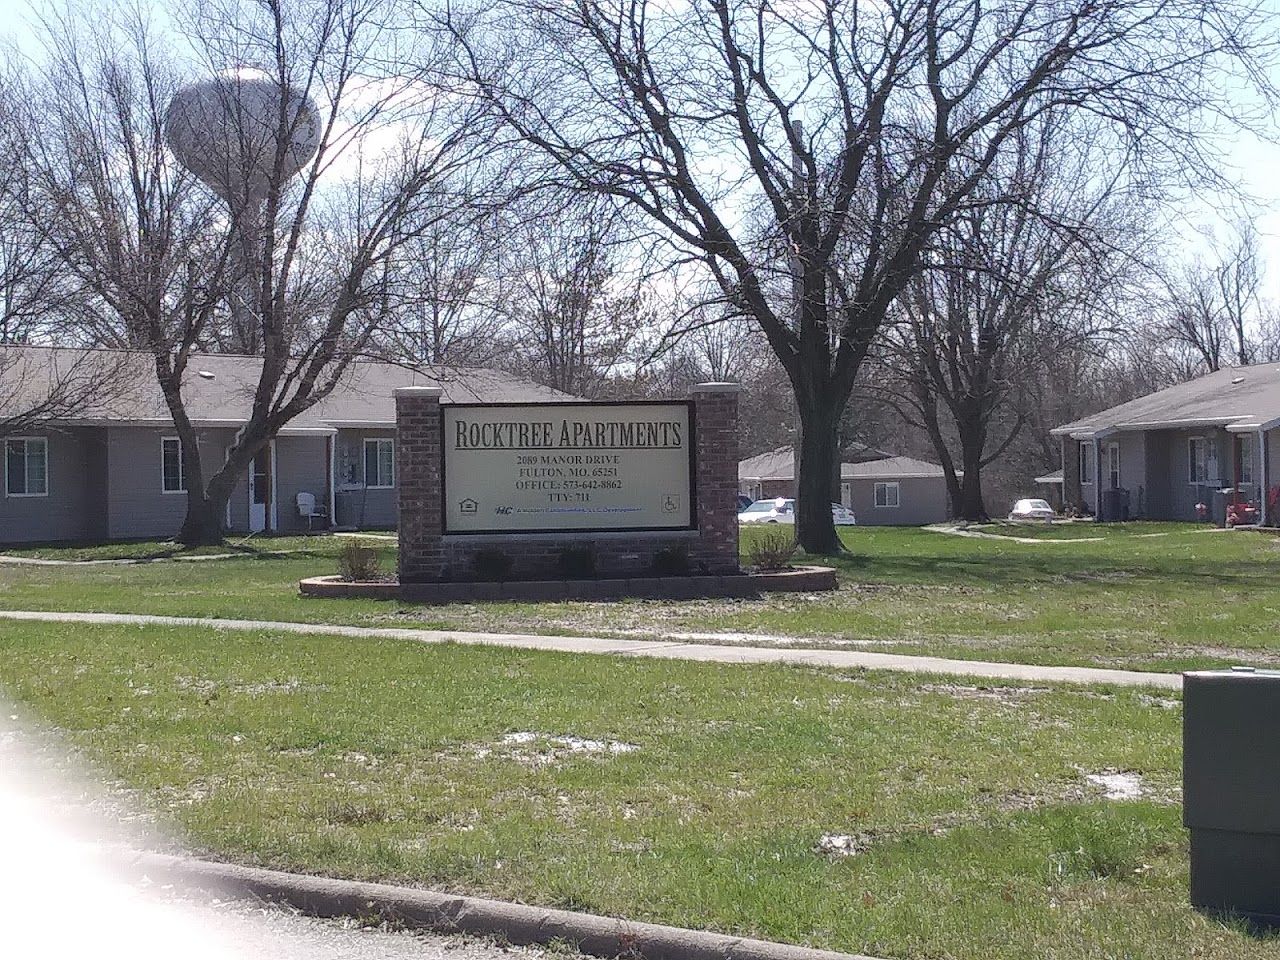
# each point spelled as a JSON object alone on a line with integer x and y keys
{"x": 704, "y": 803}
{"x": 1149, "y": 596}
{"x": 170, "y": 550}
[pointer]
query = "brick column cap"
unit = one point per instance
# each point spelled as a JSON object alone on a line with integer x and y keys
{"x": 426, "y": 393}
{"x": 713, "y": 387}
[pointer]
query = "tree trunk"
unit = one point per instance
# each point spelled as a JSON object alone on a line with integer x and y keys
{"x": 202, "y": 525}
{"x": 929, "y": 417}
{"x": 971, "y": 505}
{"x": 817, "y": 466}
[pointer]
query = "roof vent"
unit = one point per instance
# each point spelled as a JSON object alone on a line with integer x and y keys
{"x": 1233, "y": 379}
{"x": 208, "y": 375}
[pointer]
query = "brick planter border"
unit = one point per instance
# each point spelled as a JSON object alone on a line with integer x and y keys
{"x": 742, "y": 585}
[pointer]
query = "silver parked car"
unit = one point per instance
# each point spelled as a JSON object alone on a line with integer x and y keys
{"x": 1032, "y": 510}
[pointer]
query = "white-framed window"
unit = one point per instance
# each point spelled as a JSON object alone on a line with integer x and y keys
{"x": 887, "y": 494}
{"x": 173, "y": 476}
{"x": 1248, "y": 444}
{"x": 1086, "y": 461}
{"x": 1202, "y": 461}
{"x": 1111, "y": 463}
{"x": 26, "y": 467}
{"x": 379, "y": 463}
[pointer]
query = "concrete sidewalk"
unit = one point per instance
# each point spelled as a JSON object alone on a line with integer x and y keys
{"x": 658, "y": 649}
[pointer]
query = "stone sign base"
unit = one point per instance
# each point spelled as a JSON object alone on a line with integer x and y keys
{"x": 742, "y": 585}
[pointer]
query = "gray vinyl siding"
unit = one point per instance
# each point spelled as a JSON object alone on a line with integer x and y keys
{"x": 1155, "y": 467}
{"x": 1134, "y": 455}
{"x": 1273, "y": 462}
{"x": 137, "y": 506}
{"x": 1088, "y": 488}
{"x": 1160, "y": 496}
{"x": 1163, "y": 490}
{"x": 921, "y": 500}
{"x": 1184, "y": 494}
{"x": 302, "y": 466}
{"x": 359, "y": 506}
{"x": 74, "y": 506}
{"x": 137, "y": 503}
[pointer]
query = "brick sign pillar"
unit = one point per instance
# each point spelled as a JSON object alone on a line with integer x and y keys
{"x": 418, "y": 483}
{"x": 715, "y": 411}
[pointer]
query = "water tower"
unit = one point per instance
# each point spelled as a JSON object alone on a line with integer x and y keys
{"x": 237, "y": 132}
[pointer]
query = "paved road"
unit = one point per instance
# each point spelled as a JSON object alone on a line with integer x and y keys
{"x": 67, "y": 889}
{"x": 660, "y": 649}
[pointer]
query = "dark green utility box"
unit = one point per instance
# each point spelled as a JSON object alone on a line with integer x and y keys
{"x": 1231, "y": 790}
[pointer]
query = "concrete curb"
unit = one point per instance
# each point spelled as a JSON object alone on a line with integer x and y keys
{"x": 517, "y": 923}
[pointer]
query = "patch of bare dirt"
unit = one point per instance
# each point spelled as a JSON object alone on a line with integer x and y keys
{"x": 1001, "y": 694}
{"x": 543, "y": 749}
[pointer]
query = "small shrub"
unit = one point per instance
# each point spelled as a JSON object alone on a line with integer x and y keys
{"x": 577, "y": 563}
{"x": 357, "y": 561}
{"x": 492, "y": 564}
{"x": 772, "y": 550}
{"x": 672, "y": 561}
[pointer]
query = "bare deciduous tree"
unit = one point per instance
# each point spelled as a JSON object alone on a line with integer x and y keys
{"x": 1214, "y": 310}
{"x": 573, "y": 311}
{"x": 1004, "y": 288}
{"x": 155, "y": 245}
{"x": 445, "y": 296}
{"x": 688, "y": 114}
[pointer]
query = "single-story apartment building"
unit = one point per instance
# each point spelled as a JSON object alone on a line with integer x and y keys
{"x": 112, "y": 469}
{"x": 881, "y": 490}
{"x": 1182, "y": 453}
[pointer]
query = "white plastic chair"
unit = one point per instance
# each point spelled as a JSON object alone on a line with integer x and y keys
{"x": 307, "y": 508}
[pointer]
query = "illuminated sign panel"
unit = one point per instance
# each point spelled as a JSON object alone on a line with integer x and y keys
{"x": 563, "y": 467}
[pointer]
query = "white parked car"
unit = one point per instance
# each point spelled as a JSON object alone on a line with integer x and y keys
{"x": 1032, "y": 510}
{"x": 783, "y": 510}
{"x": 780, "y": 510}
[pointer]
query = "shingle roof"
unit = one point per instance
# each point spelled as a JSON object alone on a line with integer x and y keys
{"x": 363, "y": 397}
{"x": 779, "y": 464}
{"x": 776, "y": 464}
{"x": 1237, "y": 396}
{"x": 890, "y": 468}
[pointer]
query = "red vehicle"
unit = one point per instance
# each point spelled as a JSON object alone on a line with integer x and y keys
{"x": 1242, "y": 514}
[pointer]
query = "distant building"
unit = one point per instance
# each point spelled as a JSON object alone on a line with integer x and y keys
{"x": 880, "y": 489}
{"x": 1188, "y": 452}
{"x": 114, "y": 471}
